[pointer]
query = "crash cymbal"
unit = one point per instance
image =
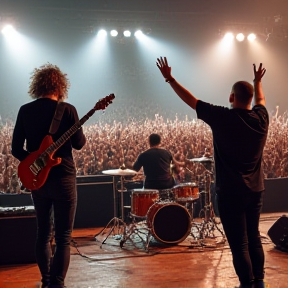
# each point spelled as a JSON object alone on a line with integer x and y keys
{"x": 119, "y": 172}
{"x": 202, "y": 159}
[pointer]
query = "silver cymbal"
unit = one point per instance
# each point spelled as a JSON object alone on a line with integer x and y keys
{"x": 202, "y": 159}
{"x": 119, "y": 172}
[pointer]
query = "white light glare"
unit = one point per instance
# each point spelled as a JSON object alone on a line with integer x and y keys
{"x": 127, "y": 33}
{"x": 251, "y": 37}
{"x": 138, "y": 34}
{"x": 240, "y": 37}
{"x": 102, "y": 33}
{"x": 228, "y": 37}
{"x": 8, "y": 30}
{"x": 114, "y": 33}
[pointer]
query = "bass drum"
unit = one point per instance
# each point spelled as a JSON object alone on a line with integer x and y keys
{"x": 169, "y": 222}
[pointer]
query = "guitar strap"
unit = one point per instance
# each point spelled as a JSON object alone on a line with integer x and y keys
{"x": 57, "y": 117}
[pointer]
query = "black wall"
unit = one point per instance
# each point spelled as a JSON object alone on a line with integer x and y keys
{"x": 276, "y": 195}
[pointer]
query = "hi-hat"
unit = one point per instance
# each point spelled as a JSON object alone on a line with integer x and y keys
{"x": 119, "y": 172}
{"x": 201, "y": 159}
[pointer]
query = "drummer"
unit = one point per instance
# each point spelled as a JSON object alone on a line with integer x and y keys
{"x": 159, "y": 166}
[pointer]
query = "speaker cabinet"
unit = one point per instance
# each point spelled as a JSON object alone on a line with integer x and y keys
{"x": 278, "y": 233}
{"x": 95, "y": 204}
{"x": 275, "y": 195}
{"x": 95, "y": 207}
{"x": 17, "y": 241}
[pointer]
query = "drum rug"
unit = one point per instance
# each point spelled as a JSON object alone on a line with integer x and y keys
{"x": 137, "y": 240}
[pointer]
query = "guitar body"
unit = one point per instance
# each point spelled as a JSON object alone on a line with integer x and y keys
{"x": 34, "y": 169}
{"x": 26, "y": 176}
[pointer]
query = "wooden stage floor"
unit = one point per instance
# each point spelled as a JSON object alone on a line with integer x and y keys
{"x": 186, "y": 264}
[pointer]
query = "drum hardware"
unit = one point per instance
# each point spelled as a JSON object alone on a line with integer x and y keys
{"x": 141, "y": 201}
{"x": 209, "y": 225}
{"x": 156, "y": 213}
{"x": 117, "y": 226}
{"x": 164, "y": 220}
{"x": 202, "y": 159}
{"x": 166, "y": 195}
{"x": 206, "y": 158}
{"x": 116, "y": 223}
{"x": 120, "y": 173}
{"x": 134, "y": 229}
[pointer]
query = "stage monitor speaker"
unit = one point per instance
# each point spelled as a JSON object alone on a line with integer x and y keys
{"x": 278, "y": 233}
{"x": 17, "y": 241}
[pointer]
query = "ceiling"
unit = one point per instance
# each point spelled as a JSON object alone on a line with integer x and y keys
{"x": 158, "y": 15}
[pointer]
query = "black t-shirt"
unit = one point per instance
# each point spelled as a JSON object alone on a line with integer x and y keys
{"x": 239, "y": 136}
{"x": 32, "y": 125}
{"x": 156, "y": 166}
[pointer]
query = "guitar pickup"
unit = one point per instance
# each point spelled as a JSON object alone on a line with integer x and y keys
{"x": 37, "y": 165}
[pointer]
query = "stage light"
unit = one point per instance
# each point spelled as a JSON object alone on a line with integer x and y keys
{"x": 138, "y": 34}
{"x": 8, "y": 30}
{"x": 251, "y": 37}
{"x": 240, "y": 37}
{"x": 102, "y": 33}
{"x": 114, "y": 33}
{"x": 127, "y": 33}
{"x": 228, "y": 37}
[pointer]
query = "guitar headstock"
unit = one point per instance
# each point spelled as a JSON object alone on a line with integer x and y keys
{"x": 104, "y": 102}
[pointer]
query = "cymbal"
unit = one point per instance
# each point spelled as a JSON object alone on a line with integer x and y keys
{"x": 119, "y": 172}
{"x": 202, "y": 159}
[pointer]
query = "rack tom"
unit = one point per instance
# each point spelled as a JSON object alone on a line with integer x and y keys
{"x": 186, "y": 192}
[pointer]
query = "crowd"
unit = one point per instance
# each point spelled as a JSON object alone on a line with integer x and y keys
{"x": 112, "y": 143}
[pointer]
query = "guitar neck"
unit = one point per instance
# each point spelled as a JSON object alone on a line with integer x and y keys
{"x": 100, "y": 105}
{"x": 57, "y": 144}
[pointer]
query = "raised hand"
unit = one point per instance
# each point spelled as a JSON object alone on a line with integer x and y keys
{"x": 163, "y": 66}
{"x": 258, "y": 74}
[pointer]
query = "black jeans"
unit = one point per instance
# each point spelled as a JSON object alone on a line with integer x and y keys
{"x": 55, "y": 206}
{"x": 240, "y": 216}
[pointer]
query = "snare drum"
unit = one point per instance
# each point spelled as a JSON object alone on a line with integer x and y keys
{"x": 169, "y": 222}
{"x": 141, "y": 200}
{"x": 186, "y": 192}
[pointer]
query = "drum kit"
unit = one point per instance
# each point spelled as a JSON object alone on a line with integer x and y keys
{"x": 165, "y": 215}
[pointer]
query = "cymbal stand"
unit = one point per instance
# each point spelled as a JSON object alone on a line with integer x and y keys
{"x": 115, "y": 221}
{"x": 116, "y": 225}
{"x": 209, "y": 225}
{"x": 122, "y": 190}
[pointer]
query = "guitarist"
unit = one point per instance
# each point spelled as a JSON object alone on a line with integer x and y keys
{"x": 49, "y": 86}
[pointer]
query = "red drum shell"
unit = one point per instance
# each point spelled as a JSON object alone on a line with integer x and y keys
{"x": 186, "y": 192}
{"x": 142, "y": 200}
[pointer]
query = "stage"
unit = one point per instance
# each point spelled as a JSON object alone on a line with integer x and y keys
{"x": 134, "y": 262}
{"x": 94, "y": 264}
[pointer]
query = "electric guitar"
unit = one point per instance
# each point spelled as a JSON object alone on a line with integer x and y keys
{"x": 34, "y": 169}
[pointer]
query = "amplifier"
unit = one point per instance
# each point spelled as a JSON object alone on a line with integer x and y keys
{"x": 278, "y": 233}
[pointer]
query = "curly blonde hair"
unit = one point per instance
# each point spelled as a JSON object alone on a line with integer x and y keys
{"x": 48, "y": 79}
